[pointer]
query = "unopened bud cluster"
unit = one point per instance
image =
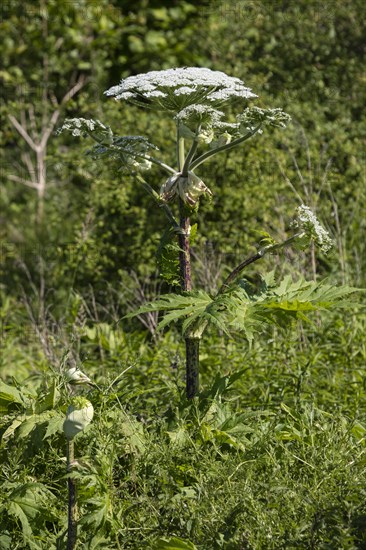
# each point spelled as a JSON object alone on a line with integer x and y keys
{"x": 78, "y": 415}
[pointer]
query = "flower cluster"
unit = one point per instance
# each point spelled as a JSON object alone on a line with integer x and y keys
{"x": 199, "y": 114}
{"x": 255, "y": 116}
{"x": 189, "y": 189}
{"x": 175, "y": 89}
{"x": 83, "y": 127}
{"x": 131, "y": 151}
{"x": 309, "y": 223}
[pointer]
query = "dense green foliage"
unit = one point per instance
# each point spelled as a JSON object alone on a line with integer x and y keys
{"x": 272, "y": 453}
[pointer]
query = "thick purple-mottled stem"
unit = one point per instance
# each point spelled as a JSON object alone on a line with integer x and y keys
{"x": 192, "y": 344}
{"x": 72, "y": 508}
{"x": 192, "y": 366}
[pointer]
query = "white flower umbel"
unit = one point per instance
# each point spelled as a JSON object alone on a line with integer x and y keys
{"x": 313, "y": 230}
{"x": 175, "y": 89}
{"x": 199, "y": 114}
{"x": 84, "y": 126}
{"x": 130, "y": 151}
{"x": 253, "y": 116}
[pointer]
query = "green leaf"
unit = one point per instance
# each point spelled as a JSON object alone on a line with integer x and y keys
{"x": 249, "y": 310}
{"x": 29, "y": 503}
{"x": 27, "y": 426}
{"x": 54, "y": 424}
{"x": 49, "y": 400}
{"x": 13, "y": 426}
{"x": 174, "y": 543}
{"x": 5, "y": 542}
{"x": 15, "y": 509}
{"x": 168, "y": 257}
{"x": 97, "y": 517}
{"x": 9, "y": 396}
{"x": 134, "y": 434}
{"x": 179, "y": 306}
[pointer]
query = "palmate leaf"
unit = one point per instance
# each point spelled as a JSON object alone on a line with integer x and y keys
{"x": 178, "y": 306}
{"x": 99, "y": 515}
{"x": 284, "y": 304}
{"x": 30, "y": 504}
{"x": 250, "y": 311}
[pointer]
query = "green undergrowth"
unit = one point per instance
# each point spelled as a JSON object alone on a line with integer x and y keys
{"x": 272, "y": 454}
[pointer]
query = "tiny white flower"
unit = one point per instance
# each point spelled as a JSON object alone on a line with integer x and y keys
{"x": 173, "y": 89}
{"x": 306, "y": 220}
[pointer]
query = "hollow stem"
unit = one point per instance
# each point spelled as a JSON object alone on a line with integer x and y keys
{"x": 191, "y": 153}
{"x": 192, "y": 344}
{"x": 192, "y": 366}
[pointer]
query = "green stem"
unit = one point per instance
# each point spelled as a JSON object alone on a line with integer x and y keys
{"x": 181, "y": 154}
{"x": 158, "y": 162}
{"x": 226, "y": 147}
{"x": 191, "y": 153}
{"x": 72, "y": 504}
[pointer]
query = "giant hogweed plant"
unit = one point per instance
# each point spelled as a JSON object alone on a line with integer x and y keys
{"x": 196, "y": 99}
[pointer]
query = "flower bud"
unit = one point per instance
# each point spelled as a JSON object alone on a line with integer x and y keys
{"x": 78, "y": 416}
{"x": 205, "y": 136}
{"x": 189, "y": 188}
{"x": 140, "y": 165}
{"x": 169, "y": 188}
{"x": 186, "y": 132}
{"x": 194, "y": 189}
{"x": 75, "y": 376}
{"x": 223, "y": 139}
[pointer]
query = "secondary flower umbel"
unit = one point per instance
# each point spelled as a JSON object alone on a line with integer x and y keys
{"x": 174, "y": 89}
{"x": 313, "y": 230}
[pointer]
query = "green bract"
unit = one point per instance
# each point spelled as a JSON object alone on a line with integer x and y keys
{"x": 189, "y": 188}
{"x": 78, "y": 415}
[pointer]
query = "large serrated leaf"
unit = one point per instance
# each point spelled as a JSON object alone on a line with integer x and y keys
{"x": 54, "y": 424}
{"x": 174, "y": 543}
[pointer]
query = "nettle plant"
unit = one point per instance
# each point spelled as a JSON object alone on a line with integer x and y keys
{"x": 195, "y": 99}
